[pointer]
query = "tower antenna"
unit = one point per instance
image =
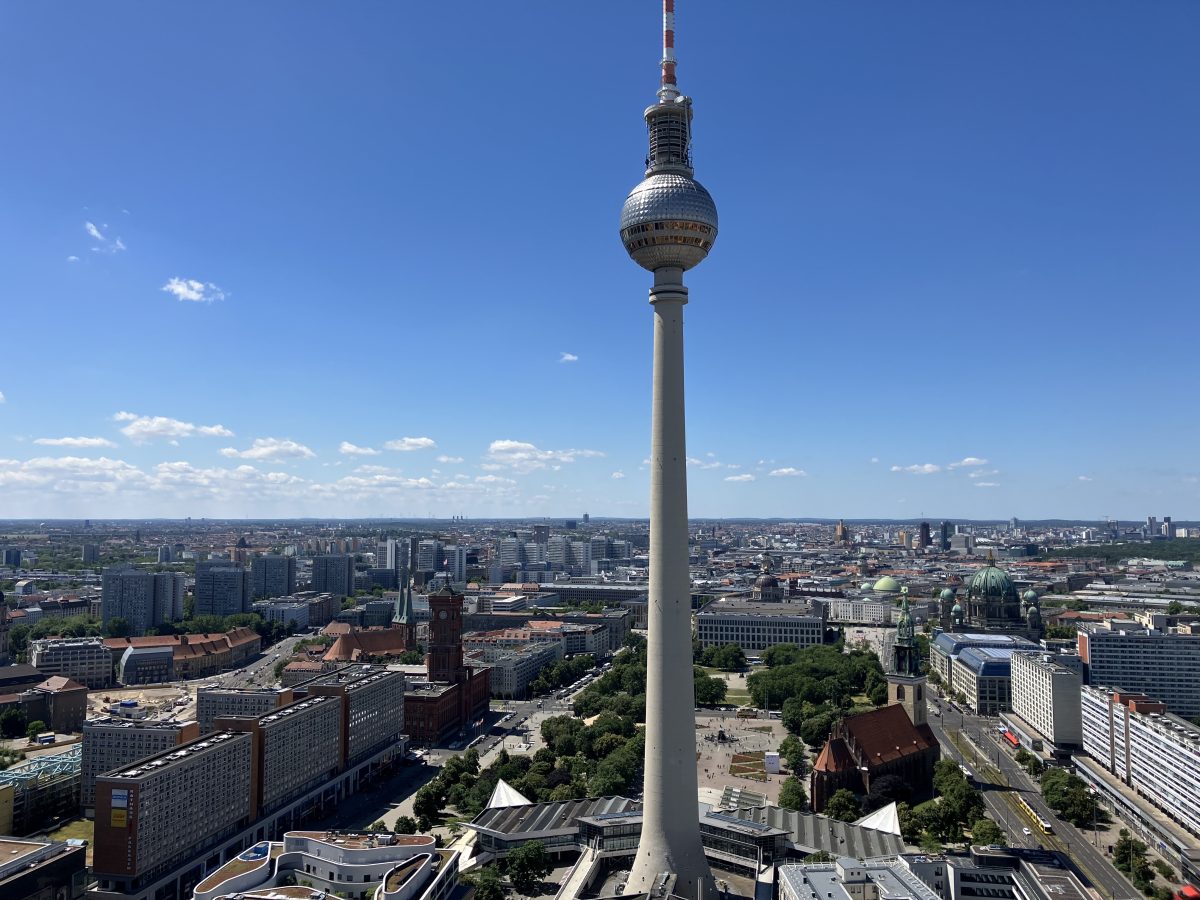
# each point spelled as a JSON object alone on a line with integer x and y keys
{"x": 670, "y": 87}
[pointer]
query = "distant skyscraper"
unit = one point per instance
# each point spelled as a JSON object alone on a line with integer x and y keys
{"x": 141, "y": 598}
{"x": 923, "y": 536}
{"x": 272, "y": 576}
{"x": 945, "y": 532}
{"x": 668, "y": 225}
{"x": 90, "y": 554}
{"x": 165, "y": 554}
{"x": 333, "y": 574}
{"x": 222, "y": 589}
{"x": 541, "y": 534}
{"x": 429, "y": 555}
{"x": 456, "y": 562}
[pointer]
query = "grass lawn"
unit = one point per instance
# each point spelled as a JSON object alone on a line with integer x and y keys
{"x": 737, "y": 697}
{"x": 83, "y": 829}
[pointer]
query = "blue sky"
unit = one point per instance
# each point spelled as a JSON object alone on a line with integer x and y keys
{"x": 240, "y": 239}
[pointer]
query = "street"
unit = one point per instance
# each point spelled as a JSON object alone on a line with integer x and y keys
{"x": 986, "y": 756}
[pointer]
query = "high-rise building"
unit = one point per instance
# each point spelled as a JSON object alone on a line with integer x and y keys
{"x": 109, "y": 743}
{"x": 142, "y": 599}
{"x": 333, "y": 574}
{"x": 541, "y": 534}
{"x": 924, "y": 539}
{"x": 668, "y": 225}
{"x": 272, "y": 576}
{"x": 165, "y": 554}
{"x": 90, "y": 554}
{"x": 946, "y": 531}
{"x": 456, "y": 562}
{"x": 1126, "y": 656}
{"x": 429, "y": 554}
{"x": 222, "y": 589}
{"x": 1045, "y": 694}
{"x": 86, "y": 660}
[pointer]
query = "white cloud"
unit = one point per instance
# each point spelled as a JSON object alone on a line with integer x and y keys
{"x": 787, "y": 472}
{"x": 406, "y": 444}
{"x": 525, "y": 457}
{"x": 449, "y": 459}
{"x": 271, "y": 448}
{"x": 568, "y": 357}
{"x": 493, "y": 479}
{"x": 78, "y": 442}
{"x": 93, "y": 231}
{"x": 746, "y": 477}
{"x": 918, "y": 469}
{"x": 874, "y": 459}
{"x": 354, "y": 450}
{"x": 983, "y": 473}
{"x": 1084, "y": 478}
{"x": 618, "y": 475}
{"x": 72, "y": 258}
{"x": 145, "y": 428}
{"x": 3, "y": 399}
{"x": 702, "y": 464}
{"x": 968, "y": 462}
{"x": 733, "y": 465}
{"x": 193, "y": 291}
{"x": 986, "y": 484}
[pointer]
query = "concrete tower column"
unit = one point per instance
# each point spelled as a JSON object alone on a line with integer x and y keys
{"x": 670, "y": 841}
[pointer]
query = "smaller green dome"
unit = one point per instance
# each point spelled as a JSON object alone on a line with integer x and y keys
{"x": 887, "y": 584}
{"x": 947, "y": 594}
{"x": 866, "y": 586}
{"x": 1030, "y": 596}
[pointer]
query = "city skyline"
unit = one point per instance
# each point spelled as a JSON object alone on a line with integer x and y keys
{"x": 958, "y": 255}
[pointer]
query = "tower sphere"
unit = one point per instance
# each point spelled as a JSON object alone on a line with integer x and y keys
{"x": 668, "y": 220}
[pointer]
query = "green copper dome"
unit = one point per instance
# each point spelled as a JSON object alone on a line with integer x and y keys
{"x": 867, "y": 586}
{"x": 947, "y": 594}
{"x": 1030, "y": 596}
{"x": 887, "y": 584}
{"x": 991, "y": 582}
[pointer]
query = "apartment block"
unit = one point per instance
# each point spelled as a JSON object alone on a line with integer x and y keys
{"x": 222, "y": 589}
{"x": 374, "y": 708}
{"x": 333, "y": 574}
{"x": 213, "y": 702}
{"x": 272, "y": 576}
{"x": 1124, "y": 655}
{"x": 1153, "y": 751}
{"x": 111, "y": 743}
{"x": 85, "y": 660}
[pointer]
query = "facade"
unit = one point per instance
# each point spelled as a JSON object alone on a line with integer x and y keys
{"x": 196, "y": 655}
{"x": 285, "y": 612}
{"x": 428, "y": 556}
{"x": 166, "y": 821}
{"x": 945, "y": 648}
{"x": 513, "y": 668}
{"x": 58, "y": 701}
{"x": 859, "y": 611}
{"x": 111, "y": 743}
{"x": 146, "y": 665}
{"x": 333, "y": 575}
{"x": 1149, "y": 749}
{"x": 142, "y": 599}
{"x": 1045, "y": 694}
{"x": 757, "y": 626}
{"x": 1123, "y": 655}
{"x": 85, "y": 660}
{"x": 214, "y": 702}
{"x": 222, "y": 588}
{"x": 983, "y": 676}
{"x": 272, "y": 576}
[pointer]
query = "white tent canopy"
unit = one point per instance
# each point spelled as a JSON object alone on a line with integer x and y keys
{"x": 506, "y": 795}
{"x": 886, "y": 818}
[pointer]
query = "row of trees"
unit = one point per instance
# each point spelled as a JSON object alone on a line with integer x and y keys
{"x": 1068, "y": 795}
{"x": 526, "y": 868}
{"x": 561, "y": 673}
{"x": 622, "y": 689}
{"x": 727, "y": 658}
{"x": 959, "y": 806}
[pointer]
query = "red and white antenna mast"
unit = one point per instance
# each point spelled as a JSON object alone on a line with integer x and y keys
{"x": 670, "y": 87}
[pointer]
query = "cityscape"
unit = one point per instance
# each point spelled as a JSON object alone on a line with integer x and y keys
{"x": 326, "y": 635}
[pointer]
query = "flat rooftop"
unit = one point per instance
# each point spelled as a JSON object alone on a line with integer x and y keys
{"x": 364, "y": 840}
{"x": 184, "y": 753}
{"x": 743, "y": 607}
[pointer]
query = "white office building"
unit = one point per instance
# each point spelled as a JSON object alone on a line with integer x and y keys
{"x": 1126, "y": 656}
{"x": 1045, "y": 693}
{"x": 757, "y": 626}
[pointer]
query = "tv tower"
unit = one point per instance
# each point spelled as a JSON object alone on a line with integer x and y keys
{"x": 668, "y": 225}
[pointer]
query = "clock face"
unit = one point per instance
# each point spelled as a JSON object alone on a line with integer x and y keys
{"x": 443, "y": 614}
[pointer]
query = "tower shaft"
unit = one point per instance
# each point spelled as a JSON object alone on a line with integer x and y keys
{"x": 670, "y": 842}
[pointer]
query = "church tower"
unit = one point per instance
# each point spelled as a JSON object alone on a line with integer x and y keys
{"x": 906, "y": 684}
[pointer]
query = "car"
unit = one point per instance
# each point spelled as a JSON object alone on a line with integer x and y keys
{"x": 1026, "y": 831}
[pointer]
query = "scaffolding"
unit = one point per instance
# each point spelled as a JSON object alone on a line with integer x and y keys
{"x": 44, "y": 787}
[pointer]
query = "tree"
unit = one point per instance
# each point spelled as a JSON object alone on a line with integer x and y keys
{"x": 985, "y": 831}
{"x": 12, "y": 723}
{"x": 1129, "y": 856}
{"x": 843, "y": 806}
{"x": 886, "y": 789}
{"x": 487, "y": 883}
{"x": 527, "y": 866}
{"x": 36, "y": 727}
{"x": 791, "y": 794}
{"x": 794, "y": 754}
{"x": 117, "y": 627}
{"x": 709, "y": 690}
{"x": 426, "y": 803}
{"x": 405, "y": 825}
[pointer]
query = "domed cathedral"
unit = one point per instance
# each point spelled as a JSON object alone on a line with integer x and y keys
{"x": 992, "y": 604}
{"x": 766, "y": 587}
